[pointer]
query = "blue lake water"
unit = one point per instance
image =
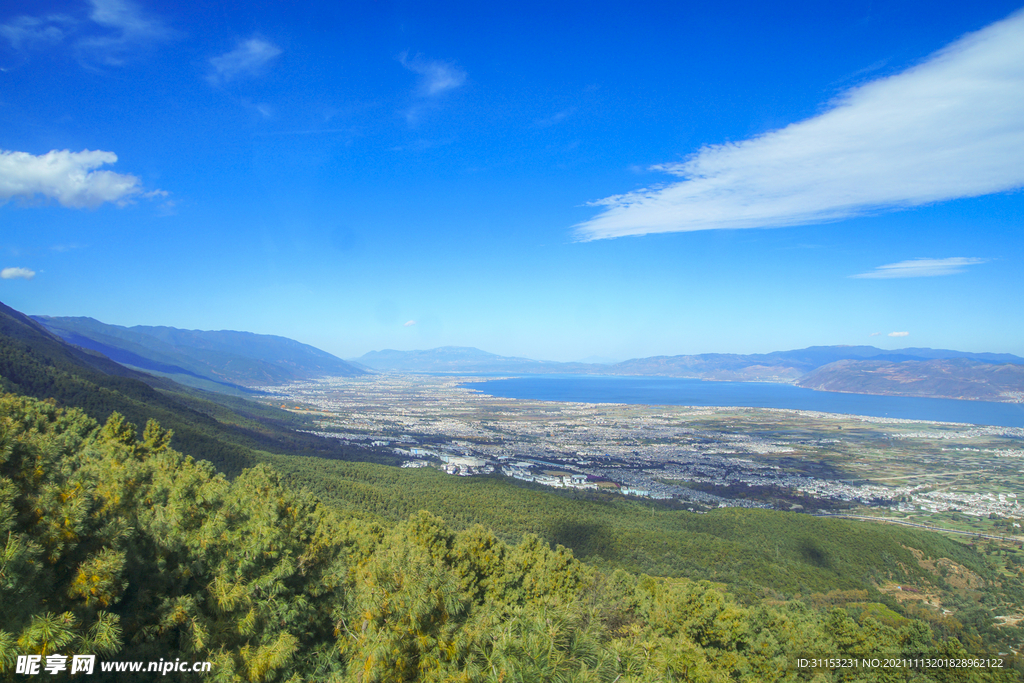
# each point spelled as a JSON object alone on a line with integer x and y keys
{"x": 694, "y": 392}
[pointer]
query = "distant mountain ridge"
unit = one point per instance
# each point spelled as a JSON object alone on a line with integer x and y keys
{"x": 462, "y": 359}
{"x": 784, "y": 366}
{"x": 217, "y": 360}
{"x": 857, "y": 369}
{"x": 959, "y": 378}
{"x": 230, "y": 361}
{"x": 775, "y": 366}
{"x": 226, "y": 430}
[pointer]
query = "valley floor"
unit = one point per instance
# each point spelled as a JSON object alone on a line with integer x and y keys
{"x": 702, "y": 457}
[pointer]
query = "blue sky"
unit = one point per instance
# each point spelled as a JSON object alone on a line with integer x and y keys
{"x": 547, "y": 180}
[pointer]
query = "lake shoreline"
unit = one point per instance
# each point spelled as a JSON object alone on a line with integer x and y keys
{"x": 704, "y": 393}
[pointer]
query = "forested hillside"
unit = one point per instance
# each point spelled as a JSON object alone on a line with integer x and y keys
{"x": 117, "y": 545}
{"x": 759, "y": 554}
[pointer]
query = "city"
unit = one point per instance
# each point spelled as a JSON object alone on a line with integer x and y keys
{"x": 701, "y": 457}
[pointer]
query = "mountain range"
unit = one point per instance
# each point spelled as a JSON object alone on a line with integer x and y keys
{"x": 235, "y": 362}
{"x": 784, "y": 366}
{"x": 948, "y": 378}
{"x": 225, "y": 361}
{"x": 915, "y": 371}
{"x": 214, "y": 426}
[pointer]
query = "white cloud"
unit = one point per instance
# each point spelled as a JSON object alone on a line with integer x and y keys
{"x": 248, "y": 59}
{"x": 69, "y": 177}
{"x": 874, "y": 334}
{"x": 953, "y": 126}
{"x": 921, "y": 267}
{"x": 436, "y": 77}
{"x": 13, "y": 273}
{"x": 898, "y": 334}
{"x": 409, "y": 323}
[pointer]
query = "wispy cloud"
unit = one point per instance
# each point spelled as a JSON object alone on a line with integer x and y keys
{"x": 66, "y": 247}
{"x": 107, "y": 35}
{"x": 953, "y": 126}
{"x": 32, "y": 32}
{"x": 16, "y": 273}
{"x": 898, "y": 334}
{"x": 422, "y": 145}
{"x": 410, "y": 323}
{"x": 167, "y": 208}
{"x": 921, "y": 267}
{"x": 126, "y": 18}
{"x": 68, "y": 177}
{"x": 555, "y": 118}
{"x": 127, "y": 28}
{"x": 309, "y": 131}
{"x": 436, "y": 76}
{"x": 249, "y": 58}
{"x": 875, "y": 334}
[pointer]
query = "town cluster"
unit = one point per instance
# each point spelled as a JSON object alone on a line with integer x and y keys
{"x": 707, "y": 456}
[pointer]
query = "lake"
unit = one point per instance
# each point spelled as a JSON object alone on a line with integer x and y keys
{"x": 695, "y": 392}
